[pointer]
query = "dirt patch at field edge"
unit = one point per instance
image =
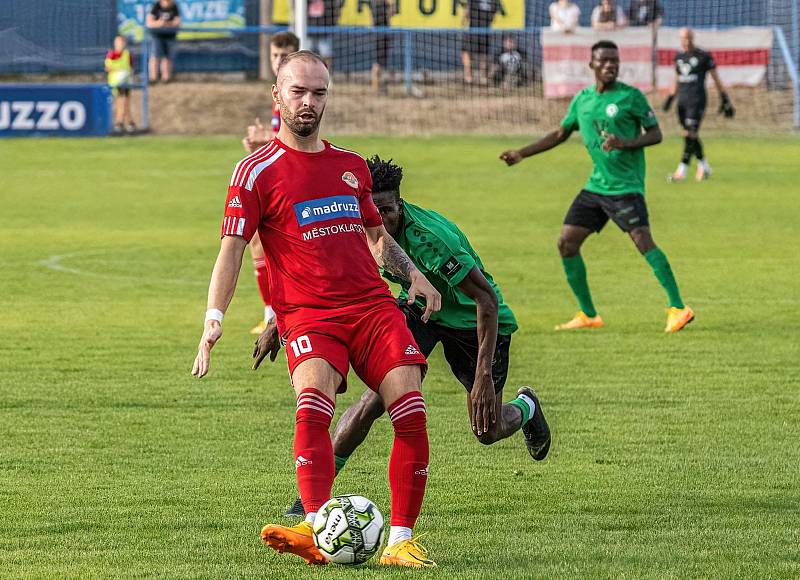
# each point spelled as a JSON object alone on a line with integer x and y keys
{"x": 211, "y": 108}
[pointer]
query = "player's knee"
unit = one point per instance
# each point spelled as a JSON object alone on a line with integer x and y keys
{"x": 643, "y": 240}
{"x": 370, "y": 407}
{"x": 566, "y": 247}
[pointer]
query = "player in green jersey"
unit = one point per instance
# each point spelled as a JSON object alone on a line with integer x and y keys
{"x": 474, "y": 326}
{"x": 616, "y": 124}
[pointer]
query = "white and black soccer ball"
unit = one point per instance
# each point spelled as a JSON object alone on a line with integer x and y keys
{"x": 348, "y": 529}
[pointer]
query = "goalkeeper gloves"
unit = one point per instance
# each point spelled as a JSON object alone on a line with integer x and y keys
{"x": 726, "y": 107}
{"x": 668, "y": 103}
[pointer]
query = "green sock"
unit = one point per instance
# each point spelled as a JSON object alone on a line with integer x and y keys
{"x": 340, "y": 461}
{"x": 525, "y": 405}
{"x": 575, "y": 270}
{"x": 658, "y": 261}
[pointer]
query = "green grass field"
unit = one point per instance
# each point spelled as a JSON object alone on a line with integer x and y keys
{"x": 674, "y": 455}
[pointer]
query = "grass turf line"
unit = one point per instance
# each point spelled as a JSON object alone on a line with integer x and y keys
{"x": 673, "y": 456}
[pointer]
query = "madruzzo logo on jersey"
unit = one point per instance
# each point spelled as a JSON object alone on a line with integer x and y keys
{"x": 326, "y": 208}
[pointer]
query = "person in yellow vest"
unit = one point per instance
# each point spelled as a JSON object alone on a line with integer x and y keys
{"x": 119, "y": 66}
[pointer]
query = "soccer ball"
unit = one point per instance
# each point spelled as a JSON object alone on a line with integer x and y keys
{"x": 348, "y": 529}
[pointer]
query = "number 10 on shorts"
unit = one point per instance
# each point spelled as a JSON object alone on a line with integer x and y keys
{"x": 300, "y": 345}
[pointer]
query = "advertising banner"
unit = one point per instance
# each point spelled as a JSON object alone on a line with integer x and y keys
{"x": 414, "y": 13}
{"x": 131, "y": 15}
{"x": 39, "y": 110}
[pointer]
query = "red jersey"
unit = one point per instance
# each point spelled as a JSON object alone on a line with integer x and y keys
{"x": 310, "y": 210}
{"x": 275, "y": 123}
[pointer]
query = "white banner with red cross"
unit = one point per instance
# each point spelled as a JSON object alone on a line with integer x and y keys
{"x": 741, "y": 54}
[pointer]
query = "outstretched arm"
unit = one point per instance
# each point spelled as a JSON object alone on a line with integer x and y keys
{"x": 394, "y": 260}
{"x": 553, "y": 139}
{"x": 482, "y": 404}
{"x": 220, "y": 293}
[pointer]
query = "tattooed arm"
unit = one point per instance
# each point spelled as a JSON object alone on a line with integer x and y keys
{"x": 389, "y": 255}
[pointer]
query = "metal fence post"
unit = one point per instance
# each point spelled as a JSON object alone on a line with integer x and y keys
{"x": 145, "y": 80}
{"x": 301, "y": 22}
{"x": 792, "y": 70}
{"x": 795, "y": 32}
{"x": 408, "y": 61}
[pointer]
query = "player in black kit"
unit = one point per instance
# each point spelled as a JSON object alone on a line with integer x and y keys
{"x": 691, "y": 66}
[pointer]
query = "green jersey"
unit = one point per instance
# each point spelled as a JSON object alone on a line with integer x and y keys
{"x": 622, "y": 111}
{"x": 443, "y": 254}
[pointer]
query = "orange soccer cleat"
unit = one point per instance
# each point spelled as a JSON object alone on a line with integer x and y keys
{"x": 582, "y": 321}
{"x": 677, "y": 318}
{"x": 298, "y": 540}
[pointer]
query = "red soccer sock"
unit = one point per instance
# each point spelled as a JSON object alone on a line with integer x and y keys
{"x": 263, "y": 283}
{"x": 313, "y": 452}
{"x": 408, "y": 465}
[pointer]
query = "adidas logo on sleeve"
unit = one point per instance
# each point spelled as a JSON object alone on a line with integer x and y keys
{"x": 235, "y": 202}
{"x": 411, "y": 349}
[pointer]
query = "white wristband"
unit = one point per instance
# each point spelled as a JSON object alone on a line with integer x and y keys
{"x": 214, "y": 314}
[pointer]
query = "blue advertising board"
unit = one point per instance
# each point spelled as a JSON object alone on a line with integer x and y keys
{"x": 131, "y": 16}
{"x": 39, "y": 110}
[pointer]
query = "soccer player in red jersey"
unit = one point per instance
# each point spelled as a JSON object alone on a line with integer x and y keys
{"x": 281, "y": 45}
{"x": 311, "y": 204}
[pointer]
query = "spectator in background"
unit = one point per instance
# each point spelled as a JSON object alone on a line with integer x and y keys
{"x": 564, "y": 16}
{"x": 645, "y": 13}
{"x": 509, "y": 68}
{"x": 322, "y": 13}
{"x": 478, "y": 14}
{"x": 608, "y": 16}
{"x": 382, "y": 11}
{"x": 119, "y": 66}
{"x": 163, "y": 22}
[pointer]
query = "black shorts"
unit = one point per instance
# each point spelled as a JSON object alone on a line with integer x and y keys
{"x": 163, "y": 45}
{"x": 382, "y": 49}
{"x": 690, "y": 114}
{"x": 478, "y": 42}
{"x": 460, "y": 348}
{"x": 592, "y": 211}
{"x": 382, "y": 41}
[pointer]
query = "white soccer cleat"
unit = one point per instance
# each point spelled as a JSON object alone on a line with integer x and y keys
{"x": 703, "y": 172}
{"x": 676, "y": 176}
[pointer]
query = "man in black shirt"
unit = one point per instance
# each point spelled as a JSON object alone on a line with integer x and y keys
{"x": 163, "y": 22}
{"x": 691, "y": 67}
{"x": 645, "y": 13}
{"x": 382, "y": 11}
{"x": 322, "y": 13}
{"x": 478, "y": 14}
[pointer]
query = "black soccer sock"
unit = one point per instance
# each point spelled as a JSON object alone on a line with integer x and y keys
{"x": 688, "y": 149}
{"x": 698, "y": 149}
